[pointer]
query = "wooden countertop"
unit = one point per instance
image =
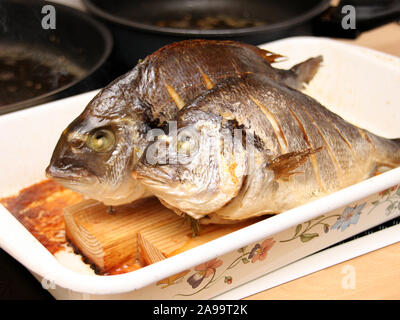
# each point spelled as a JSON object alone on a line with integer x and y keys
{"x": 377, "y": 273}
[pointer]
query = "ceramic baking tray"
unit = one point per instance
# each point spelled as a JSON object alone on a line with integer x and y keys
{"x": 361, "y": 85}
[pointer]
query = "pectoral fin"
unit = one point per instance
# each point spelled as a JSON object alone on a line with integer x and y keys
{"x": 284, "y": 165}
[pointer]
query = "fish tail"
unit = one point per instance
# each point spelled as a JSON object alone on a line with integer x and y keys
{"x": 387, "y": 151}
{"x": 301, "y": 73}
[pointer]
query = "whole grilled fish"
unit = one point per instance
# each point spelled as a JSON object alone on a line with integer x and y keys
{"x": 252, "y": 146}
{"x": 96, "y": 152}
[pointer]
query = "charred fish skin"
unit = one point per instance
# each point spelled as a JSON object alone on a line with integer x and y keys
{"x": 153, "y": 92}
{"x": 304, "y": 152}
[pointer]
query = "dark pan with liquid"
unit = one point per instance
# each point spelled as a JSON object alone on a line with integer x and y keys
{"x": 38, "y": 64}
{"x": 142, "y": 26}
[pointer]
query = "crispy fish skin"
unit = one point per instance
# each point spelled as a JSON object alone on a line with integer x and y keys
{"x": 96, "y": 152}
{"x": 302, "y": 152}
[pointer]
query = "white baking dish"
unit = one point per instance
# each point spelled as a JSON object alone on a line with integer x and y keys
{"x": 361, "y": 85}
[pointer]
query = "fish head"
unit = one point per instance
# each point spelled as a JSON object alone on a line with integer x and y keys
{"x": 94, "y": 156}
{"x": 199, "y": 169}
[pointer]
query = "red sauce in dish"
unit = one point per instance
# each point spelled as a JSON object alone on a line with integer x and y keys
{"x": 39, "y": 208}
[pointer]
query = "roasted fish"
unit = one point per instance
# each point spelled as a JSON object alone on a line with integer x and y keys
{"x": 97, "y": 151}
{"x": 252, "y": 146}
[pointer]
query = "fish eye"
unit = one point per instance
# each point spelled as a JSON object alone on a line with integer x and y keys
{"x": 101, "y": 140}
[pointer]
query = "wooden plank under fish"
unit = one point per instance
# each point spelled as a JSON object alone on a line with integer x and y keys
{"x": 144, "y": 230}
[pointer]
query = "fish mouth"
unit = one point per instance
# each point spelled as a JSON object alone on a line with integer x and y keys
{"x": 70, "y": 176}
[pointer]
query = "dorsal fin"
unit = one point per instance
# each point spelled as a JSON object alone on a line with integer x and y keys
{"x": 271, "y": 57}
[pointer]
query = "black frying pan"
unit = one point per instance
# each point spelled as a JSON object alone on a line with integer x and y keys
{"x": 267, "y": 15}
{"x": 142, "y": 26}
{"x": 38, "y": 65}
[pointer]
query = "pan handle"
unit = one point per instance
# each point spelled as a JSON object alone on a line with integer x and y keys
{"x": 336, "y": 21}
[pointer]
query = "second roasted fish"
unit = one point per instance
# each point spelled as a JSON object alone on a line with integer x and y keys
{"x": 252, "y": 146}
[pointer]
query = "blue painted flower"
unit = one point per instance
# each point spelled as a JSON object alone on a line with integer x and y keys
{"x": 349, "y": 216}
